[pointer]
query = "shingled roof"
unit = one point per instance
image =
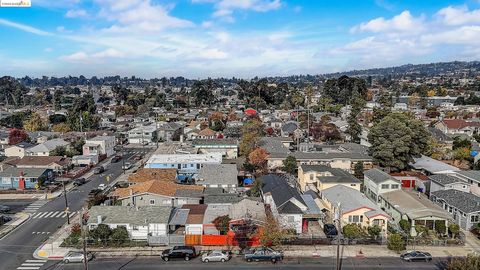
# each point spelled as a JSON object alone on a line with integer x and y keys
{"x": 148, "y": 174}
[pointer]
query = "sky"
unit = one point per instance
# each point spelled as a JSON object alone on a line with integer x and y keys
{"x": 232, "y": 38}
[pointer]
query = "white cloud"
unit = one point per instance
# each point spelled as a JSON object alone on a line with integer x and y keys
{"x": 225, "y": 8}
{"x": 24, "y": 27}
{"x": 138, "y": 15}
{"x": 97, "y": 57}
{"x": 75, "y": 57}
{"x": 404, "y": 22}
{"x": 459, "y": 15}
{"x": 76, "y": 13}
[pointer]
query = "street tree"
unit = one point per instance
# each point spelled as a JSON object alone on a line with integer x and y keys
{"x": 290, "y": 165}
{"x": 258, "y": 158}
{"x": 16, "y": 136}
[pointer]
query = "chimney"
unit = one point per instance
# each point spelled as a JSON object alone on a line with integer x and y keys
{"x": 99, "y": 219}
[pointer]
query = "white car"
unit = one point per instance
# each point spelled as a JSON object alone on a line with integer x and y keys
{"x": 215, "y": 256}
{"x": 74, "y": 256}
{"x": 102, "y": 186}
{"x": 127, "y": 166}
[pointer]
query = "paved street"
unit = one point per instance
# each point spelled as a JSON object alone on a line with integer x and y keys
{"x": 238, "y": 263}
{"x": 16, "y": 249}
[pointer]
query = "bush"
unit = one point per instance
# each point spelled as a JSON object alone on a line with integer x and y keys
{"x": 421, "y": 230}
{"x": 119, "y": 236}
{"x": 440, "y": 227}
{"x": 222, "y": 224}
{"x": 101, "y": 233}
{"x": 471, "y": 262}
{"x": 374, "y": 230}
{"x": 405, "y": 225}
{"x": 352, "y": 230}
{"x": 396, "y": 242}
{"x": 454, "y": 229}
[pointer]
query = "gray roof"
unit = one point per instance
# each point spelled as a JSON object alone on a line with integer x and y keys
{"x": 432, "y": 165}
{"x": 9, "y": 171}
{"x": 290, "y": 126}
{"x": 323, "y": 156}
{"x": 179, "y": 216}
{"x": 378, "y": 176}
{"x": 48, "y": 145}
{"x": 463, "y": 201}
{"x": 172, "y": 126}
{"x": 444, "y": 179}
{"x": 337, "y": 175}
{"x": 189, "y": 193}
{"x": 217, "y": 142}
{"x": 248, "y": 208}
{"x": 439, "y": 135}
{"x": 277, "y": 185}
{"x": 310, "y": 202}
{"x": 217, "y": 174}
{"x": 273, "y": 145}
{"x": 141, "y": 215}
{"x": 474, "y": 175}
{"x": 349, "y": 199}
{"x": 225, "y": 198}
{"x": 213, "y": 211}
{"x": 23, "y": 145}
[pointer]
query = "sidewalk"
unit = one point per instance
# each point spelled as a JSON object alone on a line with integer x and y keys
{"x": 17, "y": 220}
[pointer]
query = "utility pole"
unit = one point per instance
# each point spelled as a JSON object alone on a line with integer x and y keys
{"x": 66, "y": 202}
{"x": 339, "y": 231}
{"x": 123, "y": 159}
{"x": 156, "y": 124}
{"x": 85, "y": 257}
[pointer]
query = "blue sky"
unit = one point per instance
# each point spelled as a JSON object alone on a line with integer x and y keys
{"x": 241, "y": 38}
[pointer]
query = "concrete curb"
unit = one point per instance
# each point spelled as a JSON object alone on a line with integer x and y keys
{"x": 16, "y": 227}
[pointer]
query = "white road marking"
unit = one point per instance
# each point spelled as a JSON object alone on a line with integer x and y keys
{"x": 28, "y": 268}
{"x": 49, "y": 214}
{"x": 32, "y": 264}
{"x": 57, "y": 214}
{"x": 29, "y": 261}
{"x": 43, "y": 214}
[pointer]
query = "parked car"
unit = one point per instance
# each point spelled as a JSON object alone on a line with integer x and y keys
{"x": 179, "y": 252}
{"x": 116, "y": 159}
{"x": 4, "y": 209}
{"x": 6, "y": 219}
{"x": 330, "y": 230}
{"x": 126, "y": 166}
{"x": 74, "y": 256}
{"x": 263, "y": 254}
{"x": 102, "y": 186}
{"x": 121, "y": 184}
{"x": 98, "y": 170}
{"x": 216, "y": 256}
{"x": 79, "y": 181}
{"x": 93, "y": 193}
{"x": 137, "y": 157}
{"x": 415, "y": 256}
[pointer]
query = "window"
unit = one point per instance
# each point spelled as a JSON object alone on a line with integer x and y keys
{"x": 355, "y": 219}
{"x": 353, "y": 185}
{"x": 394, "y": 186}
{"x": 464, "y": 187}
{"x": 385, "y": 186}
{"x": 167, "y": 202}
{"x": 179, "y": 166}
{"x": 152, "y": 202}
{"x": 474, "y": 219}
{"x": 198, "y": 166}
{"x": 311, "y": 176}
{"x": 184, "y": 166}
{"x": 191, "y": 165}
{"x": 135, "y": 227}
{"x": 290, "y": 219}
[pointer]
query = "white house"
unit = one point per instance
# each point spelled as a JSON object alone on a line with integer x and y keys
{"x": 44, "y": 149}
{"x": 140, "y": 222}
{"x": 376, "y": 182}
{"x": 100, "y": 145}
{"x": 143, "y": 134}
{"x": 18, "y": 150}
{"x": 445, "y": 182}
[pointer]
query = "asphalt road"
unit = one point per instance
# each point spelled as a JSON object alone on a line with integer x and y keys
{"x": 19, "y": 245}
{"x": 237, "y": 263}
{"x": 16, "y": 205}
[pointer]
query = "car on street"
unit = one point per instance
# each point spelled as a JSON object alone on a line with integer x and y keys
{"x": 4, "y": 209}
{"x": 179, "y": 252}
{"x": 98, "y": 170}
{"x": 137, "y": 157}
{"x": 93, "y": 193}
{"x": 216, "y": 256}
{"x": 116, "y": 159}
{"x": 416, "y": 256}
{"x": 263, "y": 254}
{"x": 127, "y": 166}
{"x": 102, "y": 186}
{"x": 79, "y": 181}
{"x": 330, "y": 230}
{"x": 121, "y": 184}
{"x": 74, "y": 256}
{"x": 6, "y": 219}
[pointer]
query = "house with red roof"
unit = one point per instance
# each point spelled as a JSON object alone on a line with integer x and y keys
{"x": 458, "y": 126}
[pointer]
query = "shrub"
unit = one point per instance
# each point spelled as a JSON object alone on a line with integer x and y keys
{"x": 119, "y": 235}
{"x": 454, "y": 229}
{"x": 471, "y": 262}
{"x": 352, "y": 230}
{"x": 396, "y": 242}
{"x": 101, "y": 233}
{"x": 440, "y": 227}
{"x": 222, "y": 223}
{"x": 405, "y": 225}
{"x": 374, "y": 230}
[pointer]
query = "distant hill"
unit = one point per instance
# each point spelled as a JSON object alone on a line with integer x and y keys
{"x": 465, "y": 69}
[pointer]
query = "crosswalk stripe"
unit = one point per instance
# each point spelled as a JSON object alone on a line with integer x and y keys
{"x": 57, "y": 214}
{"x": 32, "y": 264}
{"x": 43, "y": 214}
{"x": 64, "y": 214}
{"x": 29, "y": 261}
{"x": 36, "y": 215}
{"x": 28, "y": 267}
{"x": 49, "y": 214}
